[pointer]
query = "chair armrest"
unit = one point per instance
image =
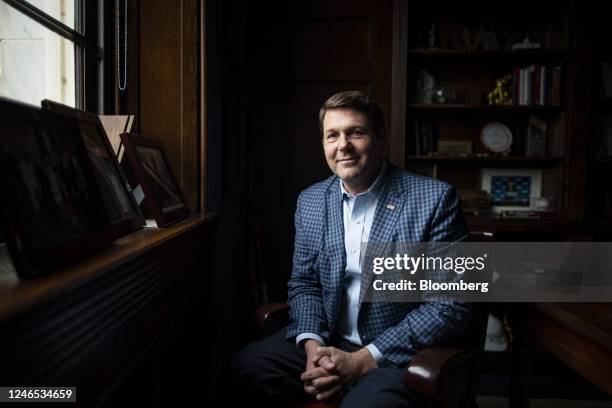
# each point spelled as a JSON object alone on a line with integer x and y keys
{"x": 441, "y": 373}
{"x": 270, "y": 317}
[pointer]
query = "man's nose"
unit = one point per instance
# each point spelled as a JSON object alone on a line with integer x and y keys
{"x": 343, "y": 142}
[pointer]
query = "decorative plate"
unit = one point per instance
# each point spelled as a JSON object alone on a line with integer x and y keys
{"x": 497, "y": 137}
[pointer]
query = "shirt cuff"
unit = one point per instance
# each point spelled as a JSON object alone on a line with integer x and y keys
{"x": 378, "y": 357}
{"x": 306, "y": 336}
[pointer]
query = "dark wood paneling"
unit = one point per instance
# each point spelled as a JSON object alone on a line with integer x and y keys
{"x": 190, "y": 132}
{"x": 332, "y": 41}
{"x": 203, "y": 125}
{"x": 169, "y": 58}
{"x": 338, "y": 46}
{"x": 300, "y": 53}
{"x": 399, "y": 84}
{"x": 573, "y": 334}
{"x": 577, "y": 99}
{"x": 89, "y": 324}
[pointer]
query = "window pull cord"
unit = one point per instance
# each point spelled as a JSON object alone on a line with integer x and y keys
{"x": 122, "y": 84}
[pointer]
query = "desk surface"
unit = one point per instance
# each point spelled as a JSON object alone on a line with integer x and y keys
{"x": 579, "y": 334}
{"x": 17, "y": 295}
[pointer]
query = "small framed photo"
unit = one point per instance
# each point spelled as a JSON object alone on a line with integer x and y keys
{"x": 455, "y": 147}
{"x": 122, "y": 208}
{"x": 150, "y": 171}
{"x": 51, "y": 208}
{"x": 511, "y": 189}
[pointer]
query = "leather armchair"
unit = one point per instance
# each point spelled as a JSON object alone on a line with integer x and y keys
{"x": 448, "y": 376}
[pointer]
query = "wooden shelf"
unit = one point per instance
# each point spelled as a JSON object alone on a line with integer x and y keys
{"x": 579, "y": 334}
{"x": 602, "y": 160}
{"x": 472, "y": 75}
{"x": 498, "y": 224}
{"x": 488, "y": 159}
{"x": 485, "y": 108}
{"x": 18, "y": 295}
{"x": 99, "y": 322}
{"x": 531, "y": 56}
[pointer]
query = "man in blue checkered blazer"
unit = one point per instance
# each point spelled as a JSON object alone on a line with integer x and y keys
{"x": 337, "y": 344}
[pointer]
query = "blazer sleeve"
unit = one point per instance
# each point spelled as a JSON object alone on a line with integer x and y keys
{"x": 438, "y": 319}
{"x": 304, "y": 288}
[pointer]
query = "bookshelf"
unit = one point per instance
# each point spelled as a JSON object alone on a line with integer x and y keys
{"x": 447, "y": 58}
{"x": 599, "y": 189}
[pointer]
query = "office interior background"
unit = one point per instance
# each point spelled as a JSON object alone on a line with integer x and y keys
{"x": 517, "y": 91}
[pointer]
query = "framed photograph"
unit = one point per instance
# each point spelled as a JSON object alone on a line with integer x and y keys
{"x": 150, "y": 171}
{"x": 455, "y": 147}
{"x": 122, "y": 208}
{"x": 51, "y": 208}
{"x": 536, "y": 137}
{"x": 115, "y": 125}
{"x": 511, "y": 189}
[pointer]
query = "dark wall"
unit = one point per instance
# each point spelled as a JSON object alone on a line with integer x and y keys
{"x": 299, "y": 53}
{"x": 228, "y": 322}
{"x": 270, "y": 65}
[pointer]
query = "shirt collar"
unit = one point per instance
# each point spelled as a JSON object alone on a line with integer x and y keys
{"x": 374, "y": 188}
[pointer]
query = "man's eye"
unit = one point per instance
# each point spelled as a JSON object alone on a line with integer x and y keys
{"x": 332, "y": 136}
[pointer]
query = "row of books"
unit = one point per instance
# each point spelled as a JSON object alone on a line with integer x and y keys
{"x": 536, "y": 85}
{"x": 425, "y": 139}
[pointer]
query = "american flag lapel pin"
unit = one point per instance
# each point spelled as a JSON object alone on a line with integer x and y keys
{"x": 391, "y": 207}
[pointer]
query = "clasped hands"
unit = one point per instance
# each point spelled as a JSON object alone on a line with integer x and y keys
{"x": 329, "y": 369}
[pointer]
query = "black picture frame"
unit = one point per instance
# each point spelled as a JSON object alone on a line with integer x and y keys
{"x": 51, "y": 210}
{"x": 123, "y": 210}
{"x": 150, "y": 170}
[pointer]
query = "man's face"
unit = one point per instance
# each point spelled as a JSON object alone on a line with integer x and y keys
{"x": 352, "y": 150}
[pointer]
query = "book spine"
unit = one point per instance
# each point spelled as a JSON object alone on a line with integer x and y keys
{"x": 433, "y": 139}
{"x": 556, "y": 86}
{"x": 423, "y": 137}
{"x": 416, "y": 138}
{"x": 536, "y": 85}
{"x": 542, "y": 84}
{"x": 529, "y": 86}
{"x": 522, "y": 87}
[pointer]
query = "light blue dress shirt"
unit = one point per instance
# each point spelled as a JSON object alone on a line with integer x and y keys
{"x": 358, "y": 214}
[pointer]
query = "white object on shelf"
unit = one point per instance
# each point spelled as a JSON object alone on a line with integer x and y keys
{"x": 151, "y": 224}
{"x": 496, "y": 335}
{"x": 496, "y": 137}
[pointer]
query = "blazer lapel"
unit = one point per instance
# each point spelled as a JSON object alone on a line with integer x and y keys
{"x": 387, "y": 211}
{"x": 334, "y": 239}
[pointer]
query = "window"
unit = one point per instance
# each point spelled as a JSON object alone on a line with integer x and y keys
{"x": 42, "y": 49}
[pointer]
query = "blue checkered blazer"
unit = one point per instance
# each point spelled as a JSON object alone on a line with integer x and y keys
{"x": 425, "y": 210}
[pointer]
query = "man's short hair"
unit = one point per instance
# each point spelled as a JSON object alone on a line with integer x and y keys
{"x": 359, "y": 102}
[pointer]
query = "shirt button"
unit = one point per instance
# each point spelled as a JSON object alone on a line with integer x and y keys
{"x": 353, "y": 250}
{"x": 358, "y": 222}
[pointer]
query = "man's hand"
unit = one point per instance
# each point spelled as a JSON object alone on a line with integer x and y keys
{"x": 319, "y": 379}
{"x": 349, "y": 367}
